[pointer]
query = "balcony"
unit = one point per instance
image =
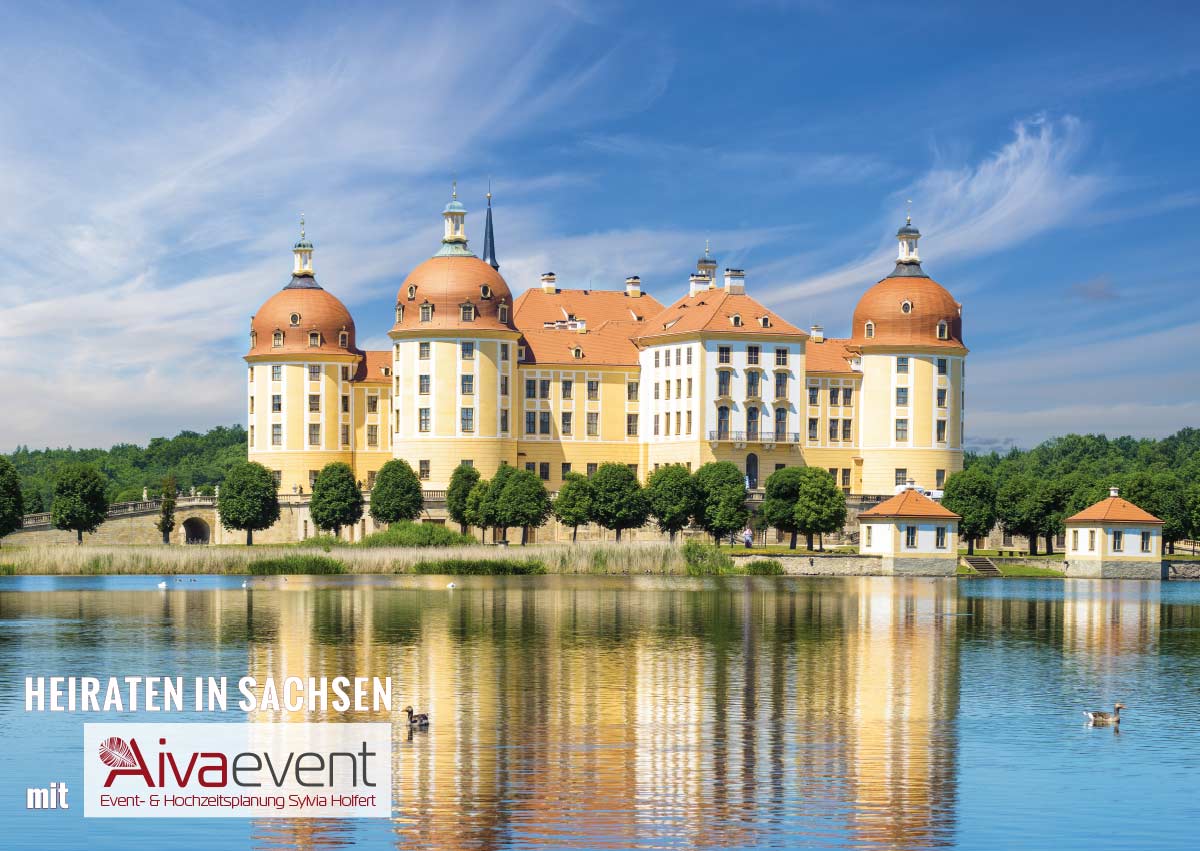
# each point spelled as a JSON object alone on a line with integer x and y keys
{"x": 753, "y": 436}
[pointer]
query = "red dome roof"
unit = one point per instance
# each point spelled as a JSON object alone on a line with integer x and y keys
{"x": 296, "y": 311}
{"x": 448, "y": 283}
{"x": 907, "y": 311}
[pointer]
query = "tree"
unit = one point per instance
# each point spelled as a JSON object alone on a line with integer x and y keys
{"x": 1019, "y": 507}
{"x": 618, "y": 501}
{"x": 720, "y": 499}
{"x": 336, "y": 500}
{"x": 166, "y": 510}
{"x": 573, "y": 505}
{"x": 820, "y": 504}
{"x": 397, "y": 493}
{"x": 524, "y": 502}
{"x": 671, "y": 498}
{"x": 462, "y": 480}
{"x": 1193, "y": 507}
{"x": 476, "y": 512}
{"x": 80, "y": 503}
{"x": 779, "y": 500}
{"x": 1164, "y": 495}
{"x": 971, "y": 495}
{"x": 33, "y": 501}
{"x": 248, "y": 500}
{"x": 12, "y": 501}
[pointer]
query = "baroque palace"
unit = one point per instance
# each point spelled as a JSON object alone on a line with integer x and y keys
{"x": 561, "y": 380}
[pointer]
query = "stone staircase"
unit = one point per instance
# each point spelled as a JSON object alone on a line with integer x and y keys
{"x": 981, "y": 565}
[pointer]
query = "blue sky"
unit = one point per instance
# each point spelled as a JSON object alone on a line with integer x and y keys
{"x": 156, "y": 157}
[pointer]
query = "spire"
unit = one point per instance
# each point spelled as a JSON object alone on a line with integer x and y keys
{"x": 454, "y": 239}
{"x": 908, "y": 259}
{"x": 303, "y": 251}
{"x": 489, "y": 239}
{"x": 707, "y": 265}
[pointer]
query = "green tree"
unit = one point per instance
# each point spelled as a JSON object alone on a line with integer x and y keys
{"x": 80, "y": 502}
{"x": 12, "y": 501}
{"x": 779, "y": 501}
{"x": 573, "y": 505}
{"x": 34, "y": 504}
{"x": 1020, "y": 507}
{"x": 397, "y": 493}
{"x": 462, "y": 480}
{"x": 671, "y": 497}
{"x": 1164, "y": 495}
{"x": 720, "y": 499}
{"x": 478, "y": 508}
{"x": 971, "y": 494}
{"x": 336, "y": 499}
{"x": 1193, "y": 508}
{"x": 524, "y": 502}
{"x": 248, "y": 500}
{"x": 166, "y": 509}
{"x": 618, "y": 501}
{"x": 820, "y": 504}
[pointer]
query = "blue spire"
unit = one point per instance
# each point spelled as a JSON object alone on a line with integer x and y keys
{"x": 489, "y": 239}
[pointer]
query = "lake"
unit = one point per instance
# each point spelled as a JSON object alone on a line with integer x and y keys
{"x": 639, "y": 712}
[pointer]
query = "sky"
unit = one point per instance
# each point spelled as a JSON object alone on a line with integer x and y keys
{"x": 155, "y": 159}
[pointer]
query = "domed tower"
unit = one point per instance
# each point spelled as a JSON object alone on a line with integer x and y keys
{"x": 454, "y": 360}
{"x": 301, "y": 361}
{"x": 908, "y": 331}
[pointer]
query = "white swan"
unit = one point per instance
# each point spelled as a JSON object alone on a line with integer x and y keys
{"x": 451, "y": 586}
{"x": 162, "y": 586}
{"x": 243, "y": 583}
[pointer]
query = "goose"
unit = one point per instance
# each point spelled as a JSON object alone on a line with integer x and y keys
{"x": 417, "y": 720}
{"x": 1099, "y": 718}
{"x": 162, "y": 586}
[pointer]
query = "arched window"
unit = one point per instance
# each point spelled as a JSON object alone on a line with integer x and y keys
{"x": 426, "y": 312}
{"x": 723, "y": 422}
{"x": 577, "y": 352}
{"x": 277, "y": 339}
{"x": 906, "y": 307}
{"x": 344, "y": 340}
{"x": 314, "y": 338}
{"x": 295, "y": 320}
{"x": 943, "y": 331}
{"x": 751, "y": 470}
{"x": 412, "y": 292}
{"x": 485, "y": 291}
{"x": 765, "y": 321}
{"x": 467, "y": 312}
{"x": 869, "y": 330}
{"x": 502, "y": 313}
{"x": 736, "y": 319}
{"x": 399, "y": 313}
{"x": 752, "y": 424}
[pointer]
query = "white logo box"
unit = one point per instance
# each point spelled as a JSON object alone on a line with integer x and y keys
{"x": 210, "y": 770}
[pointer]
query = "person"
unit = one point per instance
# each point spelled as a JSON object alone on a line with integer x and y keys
{"x": 747, "y": 537}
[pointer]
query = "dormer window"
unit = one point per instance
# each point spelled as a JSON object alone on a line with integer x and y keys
{"x": 485, "y": 291}
{"x": 736, "y": 319}
{"x": 869, "y": 330}
{"x": 399, "y": 313}
{"x": 277, "y": 339}
{"x": 906, "y": 307}
{"x": 467, "y": 312}
{"x": 426, "y": 312}
{"x": 765, "y": 321}
{"x": 943, "y": 331}
{"x": 577, "y": 353}
{"x": 502, "y": 314}
{"x": 412, "y": 291}
{"x": 314, "y": 338}
{"x": 344, "y": 340}
{"x": 295, "y": 320}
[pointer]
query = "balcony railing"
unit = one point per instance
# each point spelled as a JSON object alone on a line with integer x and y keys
{"x": 753, "y": 436}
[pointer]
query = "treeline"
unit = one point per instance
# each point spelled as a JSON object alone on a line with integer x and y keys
{"x": 195, "y": 460}
{"x": 1031, "y": 492}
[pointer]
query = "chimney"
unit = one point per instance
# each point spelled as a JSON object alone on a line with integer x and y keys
{"x": 1114, "y": 491}
{"x": 817, "y": 334}
{"x": 735, "y": 281}
{"x": 633, "y": 286}
{"x": 549, "y": 282}
{"x": 698, "y": 283}
{"x": 911, "y": 484}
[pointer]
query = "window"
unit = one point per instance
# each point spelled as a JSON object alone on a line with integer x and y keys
{"x": 1118, "y": 540}
{"x": 1075, "y": 540}
{"x": 566, "y": 469}
{"x": 544, "y": 471}
{"x": 566, "y": 422}
{"x": 277, "y": 339}
{"x": 689, "y": 356}
{"x": 504, "y": 420}
{"x": 781, "y": 382}
{"x": 724, "y": 354}
{"x": 591, "y": 468}
{"x": 294, "y": 319}
{"x": 752, "y": 355}
{"x": 276, "y": 403}
{"x": 906, "y": 307}
{"x": 833, "y": 429}
{"x": 1091, "y": 540}
{"x": 314, "y": 372}
{"x": 544, "y": 388}
{"x": 940, "y": 538}
{"x": 901, "y": 397}
{"x": 399, "y": 313}
{"x": 577, "y": 353}
{"x": 1146, "y": 537}
{"x": 543, "y": 422}
{"x": 869, "y": 535}
{"x": 251, "y": 434}
{"x": 943, "y": 331}
{"x": 835, "y": 394}
{"x": 467, "y": 385}
{"x": 723, "y": 379}
{"x": 846, "y": 430}
{"x": 502, "y": 314}
{"x": 345, "y": 373}
{"x": 276, "y": 434}
{"x": 657, "y": 390}
{"x": 504, "y": 385}
{"x": 468, "y": 350}
{"x": 689, "y": 385}
{"x": 423, "y": 419}
{"x": 467, "y": 312}
{"x": 910, "y": 537}
{"x": 902, "y": 364}
{"x": 426, "y": 312}
{"x": 567, "y": 387}
{"x": 941, "y": 431}
{"x": 276, "y": 372}
{"x": 466, "y": 420}
{"x": 667, "y": 389}
{"x": 631, "y": 391}
{"x": 813, "y": 424}
{"x": 631, "y": 425}
{"x": 679, "y": 356}
{"x": 593, "y": 424}
{"x": 845, "y": 477}
{"x": 902, "y": 429}
{"x": 314, "y": 434}
{"x": 312, "y": 478}
{"x": 503, "y": 352}
{"x": 667, "y": 357}
{"x": 423, "y": 385}
{"x": 531, "y": 422}
{"x": 781, "y": 423}
{"x": 372, "y": 435}
{"x": 345, "y": 435}
{"x": 372, "y": 404}
{"x": 833, "y": 474}
{"x": 343, "y": 339}
{"x": 412, "y": 292}
{"x": 941, "y": 366}
{"x": 678, "y": 421}
{"x": 941, "y": 397}
{"x": 752, "y": 382}
{"x": 423, "y": 350}
{"x": 657, "y": 359}
{"x": 752, "y": 416}
{"x": 593, "y": 388}
{"x": 678, "y": 388}
{"x": 530, "y": 388}
{"x": 423, "y": 469}
{"x": 901, "y": 475}
{"x": 736, "y": 320}
{"x": 869, "y": 330}
{"x": 689, "y": 422}
{"x": 531, "y": 466}
{"x": 314, "y": 403}
{"x": 939, "y": 479}
{"x": 814, "y": 397}
{"x": 371, "y": 479}
{"x": 847, "y": 396}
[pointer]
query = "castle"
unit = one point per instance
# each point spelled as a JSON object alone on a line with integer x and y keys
{"x": 561, "y": 380}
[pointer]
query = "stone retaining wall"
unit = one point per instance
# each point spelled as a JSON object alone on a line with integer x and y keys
{"x": 826, "y": 565}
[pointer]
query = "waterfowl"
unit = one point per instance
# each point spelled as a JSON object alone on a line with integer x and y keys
{"x": 162, "y": 586}
{"x": 1097, "y": 718}
{"x": 451, "y": 586}
{"x": 243, "y": 583}
{"x": 416, "y": 720}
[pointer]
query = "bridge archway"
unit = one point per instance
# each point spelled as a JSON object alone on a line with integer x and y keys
{"x": 195, "y": 531}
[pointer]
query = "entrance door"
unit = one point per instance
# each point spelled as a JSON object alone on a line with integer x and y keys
{"x": 751, "y": 470}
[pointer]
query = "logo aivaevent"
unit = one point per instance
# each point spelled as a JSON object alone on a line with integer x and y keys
{"x": 250, "y": 770}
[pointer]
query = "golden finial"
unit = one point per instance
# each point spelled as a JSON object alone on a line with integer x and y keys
{"x": 489, "y": 192}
